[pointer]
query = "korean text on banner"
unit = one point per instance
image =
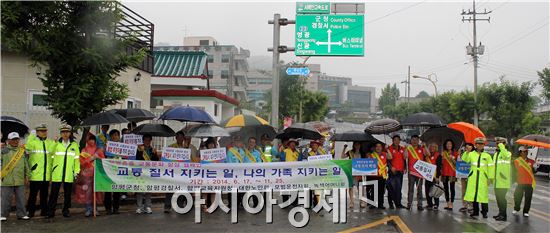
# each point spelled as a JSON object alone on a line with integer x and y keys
{"x": 115, "y": 175}
{"x": 319, "y": 157}
{"x": 462, "y": 169}
{"x": 364, "y": 167}
{"x": 120, "y": 149}
{"x": 133, "y": 139}
{"x": 216, "y": 155}
{"x": 426, "y": 170}
{"x": 171, "y": 154}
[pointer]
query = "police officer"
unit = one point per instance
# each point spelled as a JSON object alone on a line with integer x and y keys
{"x": 502, "y": 162}
{"x": 481, "y": 170}
{"x": 65, "y": 168}
{"x": 38, "y": 147}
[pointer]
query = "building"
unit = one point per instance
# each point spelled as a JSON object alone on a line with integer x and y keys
{"x": 362, "y": 99}
{"x": 259, "y": 84}
{"x": 21, "y": 91}
{"x": 181, "y": 79}
{"x": 336, "y": 88}
{"x": 227, "y": 64}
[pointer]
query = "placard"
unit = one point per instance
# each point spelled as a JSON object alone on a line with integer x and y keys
{"x": 216, "y": 155}
{"x": 117, "y": 175}
{"x": 133, "y": 139}
{"x": 364, "y": 167}
{"x": 462, "y": 169}
{"x": 172, "y": 154}
{"x": 120, "y": 149}
{"x": 426, "y": 170}
{"x": 319, "y": 157}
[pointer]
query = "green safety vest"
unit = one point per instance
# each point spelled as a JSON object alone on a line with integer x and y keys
{"x": 481, "y": 170}
{"x": 66, "y": 162}
{"x": 40, "y": 160}
{"x": 503, "y": 164}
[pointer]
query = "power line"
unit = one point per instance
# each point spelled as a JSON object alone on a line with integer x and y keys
{"x": 520, "y": 38}
{"x": 395, "y": 12}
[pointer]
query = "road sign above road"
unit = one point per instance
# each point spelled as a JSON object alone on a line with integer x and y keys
{"x": 302, "y": 71}
{"x": 313, "y": 8}
{"x": 329, "y": 35}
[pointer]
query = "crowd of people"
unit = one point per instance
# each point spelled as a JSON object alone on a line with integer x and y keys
{"x": 44, "y": 166}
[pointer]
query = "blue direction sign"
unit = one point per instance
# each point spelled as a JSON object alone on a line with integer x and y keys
{"x": 302, "y": 71}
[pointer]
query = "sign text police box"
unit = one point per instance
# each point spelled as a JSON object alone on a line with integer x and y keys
{"x": 313, "y": 7}
{"x": 329, "y": 35}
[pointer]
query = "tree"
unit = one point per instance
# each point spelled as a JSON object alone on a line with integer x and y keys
{"x": 389, "y": 97}
{"x": 423, "y": 94}
{"x": 73, "y": 41}
{"x": 544, "y": 81}
{"x": 508, "y": 105}
{"x": 315, "y": 106}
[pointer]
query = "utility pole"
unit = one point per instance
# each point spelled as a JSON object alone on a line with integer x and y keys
{"x": 475, "y": 49}
{"x": 408, "y": 86}
{"x": 277, "y": 49}
{"x": 302, "y": 82}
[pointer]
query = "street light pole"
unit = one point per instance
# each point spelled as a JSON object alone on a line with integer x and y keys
{"x": 433, "y": 81}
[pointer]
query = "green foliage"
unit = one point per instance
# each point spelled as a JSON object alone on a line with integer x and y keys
{"x": 389, "y": 96}
{"x": 315, "y": 106}
{"x": 509, "y": 106}
{"x": 423, "y": 94}
{"x": 544, "y": 81}
{"x": 73, "y": 41}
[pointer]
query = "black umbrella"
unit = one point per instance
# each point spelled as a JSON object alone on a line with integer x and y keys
{"x": 11, "y": 124}
{"x": 300, "y": 130}
{"x": 440, "y": 134}
{"x": 383, "y": 126}
{"x": 423, "y": 119}
{"x": 134, "y": 114}
{"x": 157, "y": 130}
{"x": 104, "y": 118}
{"x": 354, "y": 136}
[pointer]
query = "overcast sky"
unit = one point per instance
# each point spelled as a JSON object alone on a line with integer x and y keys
{"x": 427, "y": 35}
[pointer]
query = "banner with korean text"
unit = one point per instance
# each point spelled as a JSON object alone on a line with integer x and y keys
{"x": 162, "y": 177}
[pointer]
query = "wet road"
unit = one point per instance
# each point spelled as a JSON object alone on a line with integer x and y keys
{"x": 358, "y": 220}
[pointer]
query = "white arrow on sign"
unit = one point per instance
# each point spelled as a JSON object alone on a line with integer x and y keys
{"x": 329, "y": 43}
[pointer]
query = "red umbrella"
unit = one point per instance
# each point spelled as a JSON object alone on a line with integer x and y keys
{"x": 471, "y": 132}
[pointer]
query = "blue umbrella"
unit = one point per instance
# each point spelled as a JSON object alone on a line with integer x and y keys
{"x": 187, "y": 114}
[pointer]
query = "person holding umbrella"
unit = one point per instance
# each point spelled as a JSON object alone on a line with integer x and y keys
{"x": 481, "y": 172}
{"x": 112, "y": 199}
{"x": 413, "y": 153}
{"x": 434, "y": 159}
{"x": 235, "y": 153}
{"x": 502, "y": 159}
{"x": 448, "y": 172}
{"x": 103, "y": 137}
{"x": 252, "y": 154}
{"x": 526, "y": 182}
{"x": 65, "y": 168}
{"x": 382, "y": 175}
{"x": 40, "y": 163}
{"x": 397, "y": 169}
{"x": 15, "y": 173}
{"x": 148, "y": 153}
{"x": 315, "y": 148}
{"x": 291, "y": 154}
{"x": 354, "y": 153}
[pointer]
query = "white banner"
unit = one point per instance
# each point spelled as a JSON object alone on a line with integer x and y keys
{"x": 133, "y": 139}
{"x": 216, "y": 155}
{"x": 120, "y": 149}
{"x": 319, "y": 157}
{"x": 427, "y": 170}
{"x": 176, "y": 154}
